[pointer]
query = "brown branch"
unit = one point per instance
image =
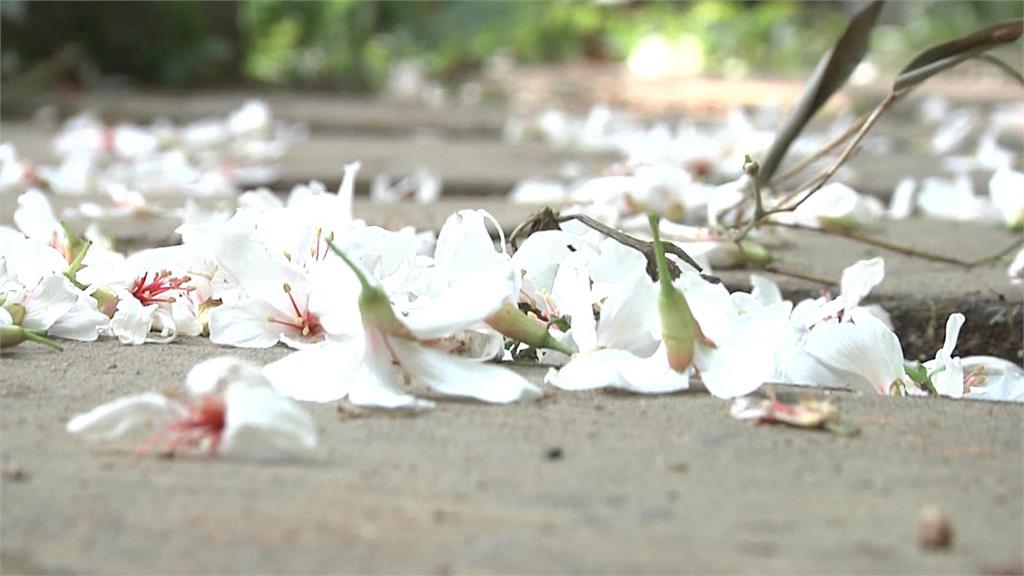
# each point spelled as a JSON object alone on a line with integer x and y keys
{"x": 798, "y": 276}
{"x": 821, "y": 152}
{"x": 906, "y": 250}
{"x": 816, "y": 182}
{"x": 646, "y": 248}
{"x": 998, "y": 255}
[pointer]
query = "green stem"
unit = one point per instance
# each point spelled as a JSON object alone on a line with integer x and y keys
{"x": 41, "y": 339}
{"x": 363, "y": 281}
{"x": 72, "y": 272}
{"x": 659, "y": 253}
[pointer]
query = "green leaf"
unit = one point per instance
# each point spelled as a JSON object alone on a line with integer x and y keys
{"x": 830, "y": 75}
{"x": 948, "y": 54}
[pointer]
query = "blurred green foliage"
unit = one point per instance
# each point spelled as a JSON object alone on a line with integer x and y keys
{"x": 345, "y": 41}
{"x": 353, "y": 44}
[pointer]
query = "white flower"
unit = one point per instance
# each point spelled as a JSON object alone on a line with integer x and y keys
{"x": 991, "y": 378}
{"x": 226, "y": 407}
{"x": 863, "y": 352}
{"x": 946, "y": 372}
{"x": 1006, "y": 189}
{"x": 981, "y": 377}
{"x": 370, "y": 366}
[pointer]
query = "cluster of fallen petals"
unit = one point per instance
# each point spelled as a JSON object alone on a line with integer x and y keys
{"x": 401, "y": 319}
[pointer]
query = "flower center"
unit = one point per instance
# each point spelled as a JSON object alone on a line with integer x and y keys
{"x": 304, "y": 321}
{"x": 151, "y": 290}
{"x": 205, "y": 419}
{"x": 975, "y": 377}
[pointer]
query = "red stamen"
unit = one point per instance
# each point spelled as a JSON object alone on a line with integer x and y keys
{"x": 149, "y": 291}
{"x": 205, "y": 419}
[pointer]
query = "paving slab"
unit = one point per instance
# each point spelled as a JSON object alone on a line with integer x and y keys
{"x": 574, "y": 483}
{"x": 323, "y": 111}
{"x": 468, "y": 167}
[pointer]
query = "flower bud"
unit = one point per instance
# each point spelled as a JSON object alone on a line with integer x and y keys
{"x": 106, "y": 301}
{"x": 513, "y": 323}
{"x": 756, "y": 252}
{"x": 679, "y": 329}
{"x": 17, "y": 312}
{"x": 11, "y": 335}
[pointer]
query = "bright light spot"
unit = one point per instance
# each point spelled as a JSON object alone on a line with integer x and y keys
{"x": 651, "y": 57}
{"x": 659, "y": 56}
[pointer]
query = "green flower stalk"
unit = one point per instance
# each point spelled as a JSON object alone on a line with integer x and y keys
{"x": 374, "y": 304}
{"x": 679, "y": 329}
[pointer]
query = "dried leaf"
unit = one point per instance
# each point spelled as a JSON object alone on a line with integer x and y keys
{"x": 830, "y": 75}
{"x": 948, "y": 54}
{"x": 806, "y": 413}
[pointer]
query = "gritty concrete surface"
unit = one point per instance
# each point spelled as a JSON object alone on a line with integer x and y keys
{"x": 573, "y": 483}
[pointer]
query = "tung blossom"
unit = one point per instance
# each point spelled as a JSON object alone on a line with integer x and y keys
{"x": 226, "y": 407}
{"x": 370, "y": 366}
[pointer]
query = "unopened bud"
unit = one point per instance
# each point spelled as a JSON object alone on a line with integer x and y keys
{"x": 513, "y": 323}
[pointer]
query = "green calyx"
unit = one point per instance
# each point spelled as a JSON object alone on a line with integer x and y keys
{"x": 679, "y": 329}
{"x": 374, "y": 304}
{"x": 12, "y": 335}
{"x": 513, "y": 323}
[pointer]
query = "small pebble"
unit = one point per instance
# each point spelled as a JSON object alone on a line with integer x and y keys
{"x": 934, "y": 531}
{"x": 15, "y": 473}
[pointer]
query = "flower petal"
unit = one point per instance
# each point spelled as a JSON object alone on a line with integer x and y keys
{"x": 456, "y": 376}
{"x": 375, "y": 382}
{"x": 245, "y": 325}
{"x": 127, "y": 416}
{"x": 590, "y": 370}
{"x": 259, "y": 424}
{"x": 865, "y": 348}
{"x": 319, "y": 373}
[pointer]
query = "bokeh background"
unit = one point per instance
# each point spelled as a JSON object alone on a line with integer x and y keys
{"x": 373, "y": 46}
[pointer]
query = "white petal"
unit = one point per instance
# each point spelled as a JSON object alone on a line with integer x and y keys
{"x": 866, "y": 348}
{"x": 375, "y": 382}
{"x": 456, "y": 376}
{"x": 1003, "y": 380}
{"x": 747, "y": 347}
{"x": 464, "y": 245}
{"x": 260, "y": 273}
{"x": 132, "y": 321}
{"x": 259, "y": 424}
{"x": 130, "y": 415}
{"x": 859, "y": 279}
{"x": 589, "y": 370}
{"x": 319, "y": 373}
{"x": 764, "y": 290}
{"x": 953, "y": 325}
{"x": 48, "y": 302}
{"x": 471, "y": 299}
{"x": 653, "y": 375}
{"x": 949, "y": 381}
{"x": 629, "y": 316}
{"x": 571, "y": 295}
{"x": 245, "y": 325}
{"x": 83, "y": 322}
{"x": 212, "y": 376}
{"x": 35, "y": 218}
